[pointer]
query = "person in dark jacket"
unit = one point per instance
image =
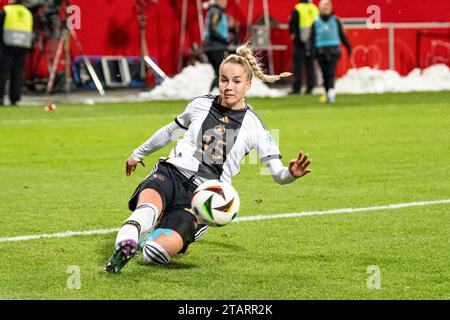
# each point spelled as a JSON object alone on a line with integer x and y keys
{"x": 327, "y": 36}
{"x": 216, "y": 36}
{"x": 16, "y": 30}
{"x": 300, "y": 25}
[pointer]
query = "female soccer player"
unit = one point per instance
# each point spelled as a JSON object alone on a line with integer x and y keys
{"x": 218, "y": 132}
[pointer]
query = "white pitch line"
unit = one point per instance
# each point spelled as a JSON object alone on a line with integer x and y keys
{"x": 59, "y": 235}
{"x": 243, "y": 219}
{"x": 69, "y": 120}
{"x": 346, "y": 210}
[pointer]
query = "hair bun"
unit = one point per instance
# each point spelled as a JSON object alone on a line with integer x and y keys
{"x": 245, "y": 51}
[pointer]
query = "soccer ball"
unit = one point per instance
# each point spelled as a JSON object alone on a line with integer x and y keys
{"x": 216, "y": 203}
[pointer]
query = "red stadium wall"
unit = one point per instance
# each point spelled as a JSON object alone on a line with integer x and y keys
{"x": 109, "y": 27}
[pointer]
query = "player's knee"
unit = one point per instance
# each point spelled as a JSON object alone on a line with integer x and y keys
{"x": 155, "y": 254}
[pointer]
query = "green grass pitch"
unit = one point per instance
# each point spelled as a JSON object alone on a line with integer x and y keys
{"x": 64, "y": 171}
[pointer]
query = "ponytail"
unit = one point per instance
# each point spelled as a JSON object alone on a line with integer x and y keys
{"x": 245, "y": 56}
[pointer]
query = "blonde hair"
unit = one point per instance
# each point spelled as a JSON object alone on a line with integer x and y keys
{"x": 246, "y": 58}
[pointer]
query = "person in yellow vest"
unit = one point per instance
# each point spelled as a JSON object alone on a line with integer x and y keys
{"x": 16, "y": 32}
{"x": 302, "y": 18}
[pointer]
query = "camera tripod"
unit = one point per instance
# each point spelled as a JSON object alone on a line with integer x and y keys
{"x": 64, "y": 45}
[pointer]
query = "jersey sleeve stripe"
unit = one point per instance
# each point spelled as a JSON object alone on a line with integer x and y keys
{"x": 268, "y": 158}
{"x": 180, "y": 125}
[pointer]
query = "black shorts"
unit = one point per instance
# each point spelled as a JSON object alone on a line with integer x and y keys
{"x": 176, "y": 192}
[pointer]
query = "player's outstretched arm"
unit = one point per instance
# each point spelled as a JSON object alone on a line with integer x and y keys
{"x": 160, "y": 139}
{"x": 297, "y": 168}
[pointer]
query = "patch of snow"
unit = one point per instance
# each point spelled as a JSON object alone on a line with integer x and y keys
{"x": 194, "y": 81}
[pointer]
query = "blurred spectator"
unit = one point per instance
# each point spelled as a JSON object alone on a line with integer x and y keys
{"x": 196, "y": 55}
{"x": 300, "y": 25}
{"x": 216, "y": 36}
{"x": 327, "y": 36}
{"x": 234, "y": 29}
{"x": 16, "y": 32}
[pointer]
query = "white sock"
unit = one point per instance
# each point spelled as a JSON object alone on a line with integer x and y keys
{"x": 127, "y": 232}
{"x": 142, "y": 220}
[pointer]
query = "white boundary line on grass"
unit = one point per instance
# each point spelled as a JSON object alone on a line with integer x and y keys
{"x": 248, "y": 218}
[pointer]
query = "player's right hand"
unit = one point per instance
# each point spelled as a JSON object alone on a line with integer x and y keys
{"x": 131, "y": 164}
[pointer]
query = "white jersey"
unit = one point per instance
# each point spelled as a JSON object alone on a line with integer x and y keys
{"x": 218, "y": 138}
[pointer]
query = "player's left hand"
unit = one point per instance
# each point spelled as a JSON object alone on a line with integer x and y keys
{"x": 131, "y": 164}
{"x": 299, "y": 168}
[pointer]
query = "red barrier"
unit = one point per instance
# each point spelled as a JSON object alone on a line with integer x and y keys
{"x": 109, "y": 27}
